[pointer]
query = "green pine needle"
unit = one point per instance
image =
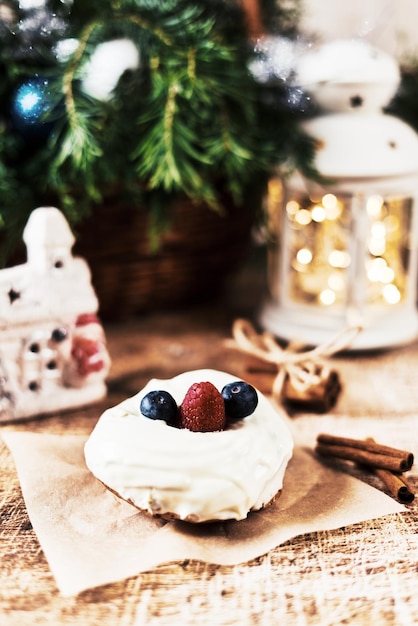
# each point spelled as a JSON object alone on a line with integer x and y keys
{"x": 188, "y": 121}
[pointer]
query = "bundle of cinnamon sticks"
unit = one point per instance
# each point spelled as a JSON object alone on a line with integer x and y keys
{"x": 318, "y": 397}
{"x": 389, "y": 464}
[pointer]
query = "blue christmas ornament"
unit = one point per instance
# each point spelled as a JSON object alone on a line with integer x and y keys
{"x": 30, "y": 105}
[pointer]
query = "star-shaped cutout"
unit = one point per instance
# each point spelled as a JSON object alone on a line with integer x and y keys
{"x": 356, "y": 101}
{"x": 13, "y": 295}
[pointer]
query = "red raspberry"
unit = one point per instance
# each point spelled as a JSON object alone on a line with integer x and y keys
{"x": 203, "y": 408}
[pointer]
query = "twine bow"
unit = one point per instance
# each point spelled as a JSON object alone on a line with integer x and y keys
{"x": 303, "y": 368}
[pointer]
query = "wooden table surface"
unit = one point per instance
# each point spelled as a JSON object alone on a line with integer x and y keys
{"x": 362, "y": 574}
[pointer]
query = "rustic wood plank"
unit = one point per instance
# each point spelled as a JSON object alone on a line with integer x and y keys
{"x": 364, "y": 574}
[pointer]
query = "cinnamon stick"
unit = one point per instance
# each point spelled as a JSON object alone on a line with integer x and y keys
{"x": 257, "y": 366}
{"x": 397, "y": 485}
{"x": 260, "y": 382}
{"x": 364, "y": 457}
{"x": 373, "y": 450}
{"x": 319, "y": 397}
{"x": 386, "y": 462}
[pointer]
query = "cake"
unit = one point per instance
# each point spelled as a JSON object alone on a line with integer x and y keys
{"x": 174, "y": 472}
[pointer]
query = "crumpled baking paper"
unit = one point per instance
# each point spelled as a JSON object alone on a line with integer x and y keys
{"x": 90, "y": 537}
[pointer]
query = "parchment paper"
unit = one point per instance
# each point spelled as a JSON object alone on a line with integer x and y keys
{"x": 90, "y": 537}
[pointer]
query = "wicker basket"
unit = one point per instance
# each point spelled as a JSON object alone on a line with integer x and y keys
{"x": 198, "y": 252}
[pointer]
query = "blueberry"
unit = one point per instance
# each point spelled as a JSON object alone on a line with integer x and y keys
{"x": 159, "y": 405}
{"x": 240, "y": 399}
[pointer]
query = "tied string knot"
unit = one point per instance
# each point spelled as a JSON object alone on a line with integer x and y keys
{"x": 302, "y": 367}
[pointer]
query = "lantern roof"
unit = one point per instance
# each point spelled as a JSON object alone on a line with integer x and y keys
{"x": 336, "y": 71}
{"x": 363, "y": 146}
{"x": 352, "y": 81}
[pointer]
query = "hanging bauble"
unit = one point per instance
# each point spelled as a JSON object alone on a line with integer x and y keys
{"x": 273, "y": 67}
{"x": 106, "y": 66}
{"x": 40, "y": 24}
{"x": 64, "y": 49}
{"x": 274, "y": 59}
{"x": 31, "y": 103}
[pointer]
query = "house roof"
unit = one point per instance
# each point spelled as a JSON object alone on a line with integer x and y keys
{"x": 52, "y": 284}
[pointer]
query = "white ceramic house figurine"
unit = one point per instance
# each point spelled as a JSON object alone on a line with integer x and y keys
{"x": 346, "y": 252}
{"x": 53, "y": 353}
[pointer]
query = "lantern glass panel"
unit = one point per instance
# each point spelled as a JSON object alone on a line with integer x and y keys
{"x": 388, "y": 249}
{"x": 339, "y": 250}
{"x": 318, "y": 249}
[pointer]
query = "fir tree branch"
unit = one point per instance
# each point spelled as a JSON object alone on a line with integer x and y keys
{"x": 170, "y": 110}
{"x": 191, "y": 64}
{"x": 68, "y": 77}
{"x": 146, "y": 25}
{"x": 187, "y": 121}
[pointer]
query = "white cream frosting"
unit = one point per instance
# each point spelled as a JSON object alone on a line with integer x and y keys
{"x": 195, "y": 476}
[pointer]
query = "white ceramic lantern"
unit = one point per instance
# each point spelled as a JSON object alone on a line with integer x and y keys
{"x": 346, "y": 250}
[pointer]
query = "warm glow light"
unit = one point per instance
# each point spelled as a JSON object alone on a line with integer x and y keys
{"x": 329, "y": 201}
{"x": 318, "y": 213}
{"x": 375, "y": 269}
{"x": 303, "y": 217}
{"x": 391, "y": 294}
{"x": 377, "y": 246}
{"x": 327, "y": 297}
{"x": 336, "y": 282}
{"x": 334, "y": 263}
{"x": 292, "y": 207}
{"x": 275, "y": 190}
{"x": 391, "y": 223}
{"x": 387, "y": 276}
{"x": 378, "y": 230}
{"x": 374, "y": 205}
{"x": 332, "y": 207}
{"x": 304, "y": 256}
{"x": 339, "y": 258}
{"x": 379, "y": 272}
{"x": 334, "y": 213}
